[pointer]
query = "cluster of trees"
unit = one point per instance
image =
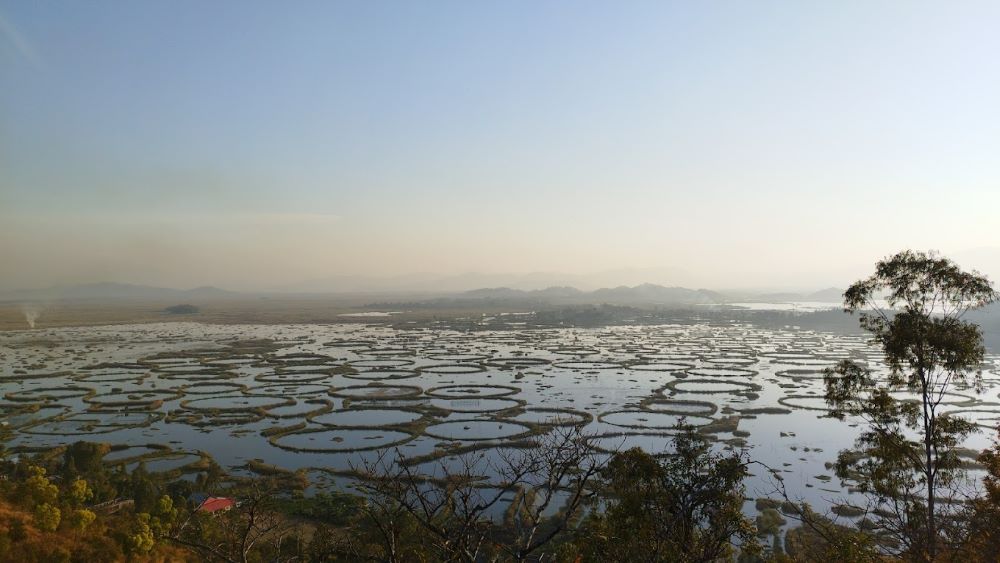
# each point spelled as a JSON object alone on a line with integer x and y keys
{"x": 565, "y": 501}
{"x": 562, "y": 501}
{"x": 59, "y": 508}
{"x": 183, "y": 309}
{"x": 559, "y": 502}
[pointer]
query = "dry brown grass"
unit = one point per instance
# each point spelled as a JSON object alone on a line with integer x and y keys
{"x": 38, "y": 545}
{"x": 275, "y": 310}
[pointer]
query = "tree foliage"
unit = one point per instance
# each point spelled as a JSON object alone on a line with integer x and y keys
{"x": 47, "y": 517}
{"x": 686, "y": 507}
{"x": 906, "y": 460}
{"x": 253, "y": 531}
{"x": 449, "y": 517}
{"x": 982, "y": 517}
{"x": 819, "y": 538}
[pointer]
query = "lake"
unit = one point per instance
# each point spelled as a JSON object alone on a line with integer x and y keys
{"x": 327, "y": 397}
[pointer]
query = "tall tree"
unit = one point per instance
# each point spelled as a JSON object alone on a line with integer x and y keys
{"x": 906, "y": 460}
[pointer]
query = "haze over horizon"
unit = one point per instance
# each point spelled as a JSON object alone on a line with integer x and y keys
{"x": 775, "y": 145}
{"x": 427, "y": 283}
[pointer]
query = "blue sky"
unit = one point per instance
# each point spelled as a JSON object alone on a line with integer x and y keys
{"x": 254, "y": 144}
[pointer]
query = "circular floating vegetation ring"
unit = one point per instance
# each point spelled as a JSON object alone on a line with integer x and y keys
{"x": 19, "y": 415}
{"x": 233, "y": 361}
{"x": 836, "y": 355}
{"x": 651, "y": 419}
{"x": 574, "y": 350}
{"x": 589, "y": 365}
{"x": 367, "y": 417}
{"x": 948, "y": 398}
{"x": 216, "y": 418}
{"x": 340, "y": 440}
{"x": 164, "y": 361}
{"x": 138, "y": 399}
{"x": 390, "y": 352}
{"x": 290, "y": 389}
{"x": 305, "y": 368}
{"x": 721, "y": 372}
{"x": 668, "y": 357}
{"x": 301, "y": 409}
{"x": 800, "y": 373}
{"x": 43, "y": 394}
{"x": 201, "y": 374}
{"x": 188, "y": 369}
{"x": 297, "y": 377}
{"x": 377, "y": 392}
{"x": 92, "y": 423}
{"x": 517, "y": 362}
{"x": 516, "y": 339}
{"x": 349, "y": 343}
{"x": 674, "y": 406}
{"x": 458, "y": 357}
{"x": 636, "y": 349}
{"x": 730, "y": 360}
{"x": 471, "y": 391}
{"x": 114, "y": 366}
{"x": 552, "y": 417}
{"x": 299, "y": 358}
{"x": 472, "y": 405}
{"x": 428, "y": 351}
{"x": 110, "y": 375}
{"x": 813, "y": 361}
{"x": 477, "y": 430}
{"x": 711, "y": 386}
{"x": 381, "y": 363}
{"x": 980, "y": 417}
{"x": 381, "y": 374}
{"x": 660, "y": 366}
{"x": 212, "y": 388}
{"x": 215, "y": 376}
{"x": 452, "y": 369}
{"x": 787, "y": 355}
{"x": 165, "y": 464}
{"x": 236, "y": 403}
{"x": 805, "y": 402}
{"x": 656, "y": 444}
{"x": 122, "y": 454}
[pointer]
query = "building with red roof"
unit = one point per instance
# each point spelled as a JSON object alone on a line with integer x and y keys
{"x": 215, "y": 504}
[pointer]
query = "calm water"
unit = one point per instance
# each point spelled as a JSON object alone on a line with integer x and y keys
{"x": 188, "y": 388}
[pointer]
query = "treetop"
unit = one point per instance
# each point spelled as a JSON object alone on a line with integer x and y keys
{"x": 923, "y": 283}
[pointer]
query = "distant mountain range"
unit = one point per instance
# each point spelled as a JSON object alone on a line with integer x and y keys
{"x": 646, "y": 293}
{"x": 643, "y": 293}
{"x": 437, "y": 283}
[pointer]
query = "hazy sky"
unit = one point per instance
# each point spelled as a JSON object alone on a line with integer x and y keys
{"x": 729, "y": 144}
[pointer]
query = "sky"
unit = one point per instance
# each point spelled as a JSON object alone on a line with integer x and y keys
{"x": 259, "y": 145}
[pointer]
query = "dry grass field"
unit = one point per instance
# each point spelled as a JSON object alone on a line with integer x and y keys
{"x": 270, "y": 310}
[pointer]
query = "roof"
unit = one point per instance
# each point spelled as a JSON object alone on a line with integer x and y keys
{"x": 213, "y": 504}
